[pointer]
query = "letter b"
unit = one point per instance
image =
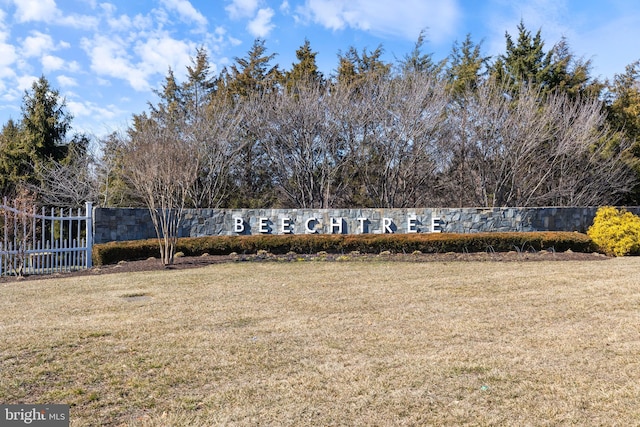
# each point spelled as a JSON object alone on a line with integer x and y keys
{"x": 238, "y": 225}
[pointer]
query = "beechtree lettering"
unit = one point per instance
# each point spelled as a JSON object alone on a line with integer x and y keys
{"x": 334, "y": 225}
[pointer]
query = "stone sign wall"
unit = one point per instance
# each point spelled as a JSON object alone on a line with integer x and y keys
{"x": 117, "y": 224}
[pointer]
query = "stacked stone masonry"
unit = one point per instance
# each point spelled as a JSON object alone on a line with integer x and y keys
{"x": 118, "y": 224}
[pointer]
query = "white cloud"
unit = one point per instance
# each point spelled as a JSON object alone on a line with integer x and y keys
{"x": 242, "y": 8}
{"x": 37, "y": 44}
{"x": 109, "y": 58}
{"x": 103, "y": 82}
{"x": 90, "y": 109}
{"x": 8, "y": 57}
{"x": 47, "y": 11}
{"x": 36, "y": 10}
{"x": 94, "y": 119}
{"x": 73, "y": 66}
{"x": 65, "y": 81}
{"x": 26, "y": 82}
{"x": 4, "y": 31}
{"x": 124, "y": 23}
{"x": 52, "y": 63}
{"x": 8, "y": 54}
{"x": 157, "y": 54}
{"x": 261, "y": 25}
{"x": 79, "y": 21}
{"x": 186, "y": 11}
{"x": 404, "y": 19}
{"x": 138, "y": 58}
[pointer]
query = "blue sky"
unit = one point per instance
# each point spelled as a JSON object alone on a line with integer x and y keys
{"x": 106, "y": 57}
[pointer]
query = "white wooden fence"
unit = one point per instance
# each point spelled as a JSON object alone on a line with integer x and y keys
{"x": 45, "y": 242}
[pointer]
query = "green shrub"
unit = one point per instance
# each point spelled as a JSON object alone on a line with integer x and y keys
{"x": 111, "y": 253}
{"x": 616, "y": 232}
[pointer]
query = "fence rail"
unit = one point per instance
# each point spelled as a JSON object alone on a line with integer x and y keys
{"x": 45, "y": 242}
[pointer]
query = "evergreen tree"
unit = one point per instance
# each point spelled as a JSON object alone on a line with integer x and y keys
{"x": 355, "y": 68}
{"x": 252, "y": 73}
{"x": 524, "y": 62}
{"x": 418, "y": 62}
{"x": 623, "y": 99}
{"x": 199, "y": 86}
{"x": 13, "y": 158}
{"x": 171, "y": 104}
{"x": 571, "y": 75}
{"x": 45, "y": 123}
{"x": 305, "y": 71}
{"x": 251, "y": 77}
{"x": 466, "y": 67}
{"x": 623, "y": 107}
{"x": 38, "y": 139}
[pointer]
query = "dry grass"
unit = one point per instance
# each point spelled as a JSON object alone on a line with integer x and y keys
{"x": 539, "y": 343}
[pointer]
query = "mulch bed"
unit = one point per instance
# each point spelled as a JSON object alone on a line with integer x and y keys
{"x": 196, "y": 262}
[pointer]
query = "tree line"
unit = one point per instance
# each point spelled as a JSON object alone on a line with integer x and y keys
{"x": 530, "y": 127}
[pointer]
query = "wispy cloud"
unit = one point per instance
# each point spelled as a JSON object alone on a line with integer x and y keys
{"x": 404, "y": 19}
{"x": 36, "y": 10}
{"x": 261, "y": 25}
{"x": 109, "y": 58}
{"x": 37, "y": 44}
{"x": 8, "y": 54}
{"x": 52, "y": 63}
{"x": 160, "y": 51}
{"x": 26, "y": 82}
{"x": 186, "y": 11}
{"x": 65, "y": 81}
{"x": 47, "y": 11}
{"x": 238, "y": 9}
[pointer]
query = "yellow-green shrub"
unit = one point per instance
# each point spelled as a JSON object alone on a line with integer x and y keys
{"x": 616, "y": 232}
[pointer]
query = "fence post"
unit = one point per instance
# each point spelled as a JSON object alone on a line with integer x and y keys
{"x": 89, "y": 232}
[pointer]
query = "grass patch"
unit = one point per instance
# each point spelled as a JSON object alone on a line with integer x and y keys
{"x": 349, "y": 343}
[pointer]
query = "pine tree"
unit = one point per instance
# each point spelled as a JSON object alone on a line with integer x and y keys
{"x": 45, "y": 122}
{"x": 200, "y": 84}
{"x": 252, "y": 73}
{"x": 355, "y": 68}
{"x": 418, "y": 62}
{"x": 623, "y": 108}
{"x": 624, "y": 101}
{"x": 571, "y": 75}
{"x": 252, "y": 76}
{"x": 525, "y": 61}
{"x": 13, "y": 158}
{"x": 466, "y": 66}
{"x": 305, "y": 71}
{"x": 38, "y": 139}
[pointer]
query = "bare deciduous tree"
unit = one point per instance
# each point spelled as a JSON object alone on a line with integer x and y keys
{"x": 532, "y": 151}
{"x": 404, "y": 151}
{"x": 70, "y": 183}
{"x": 217, "y": 143}
{"x": 19, "y": 226}
{"x": 299, "y": 135}
{"x": 162, "y": 165}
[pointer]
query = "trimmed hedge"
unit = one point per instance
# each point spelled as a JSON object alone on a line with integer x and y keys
{"x": 113, "y": 252}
